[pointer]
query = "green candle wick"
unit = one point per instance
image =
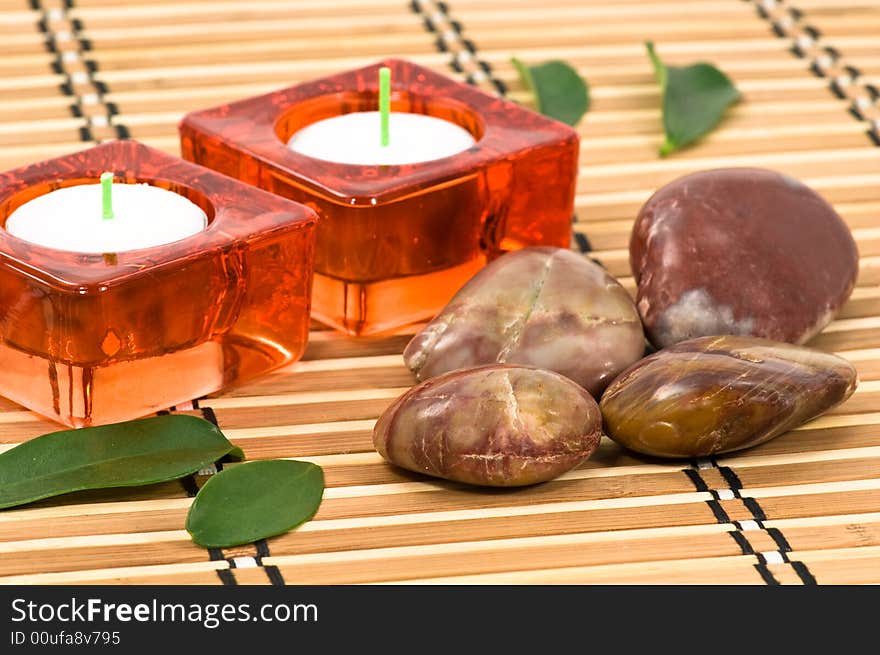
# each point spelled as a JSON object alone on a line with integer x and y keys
{"x": 107, "y": 195}
{"x": 384, "y": 102}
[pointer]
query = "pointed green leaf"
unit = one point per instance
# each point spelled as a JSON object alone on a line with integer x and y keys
{"x": 694, "y": 100}
{"x": 127, "y": 454}
{"x": 559, "y": 91}
{"x": 252, "y": 501}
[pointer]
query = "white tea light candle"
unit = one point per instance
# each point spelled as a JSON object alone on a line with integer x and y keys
{"x": 355, "y": 138}
{"x": 73, "y": 219}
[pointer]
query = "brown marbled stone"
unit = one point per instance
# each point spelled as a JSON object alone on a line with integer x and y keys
{"x": 740, "y": 251}
{"x": 496, "y": 425}
{"x": 717, "y": 394}
{"x": 545, "y": 307}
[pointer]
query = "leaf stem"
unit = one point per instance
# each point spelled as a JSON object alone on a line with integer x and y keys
{"x": 525, "y": 74}
{"x": 660, "y": 71}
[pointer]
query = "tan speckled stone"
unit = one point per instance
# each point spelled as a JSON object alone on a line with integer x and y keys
{"x": 545, "y": 307}
{"x": 497, "y": 425}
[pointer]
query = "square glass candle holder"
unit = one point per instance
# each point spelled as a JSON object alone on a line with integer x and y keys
{"x": 396, "y": 241}
{"x": 90, "y": 339}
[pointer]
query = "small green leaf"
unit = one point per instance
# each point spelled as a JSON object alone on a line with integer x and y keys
{"x": 559, "y": 91}
{"x": 253, "y": 501}
{"x": 694, "y": 99}
{"x": 127, "y": 454}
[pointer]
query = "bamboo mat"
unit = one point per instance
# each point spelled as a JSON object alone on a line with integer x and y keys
{"x": 802, "y": 509}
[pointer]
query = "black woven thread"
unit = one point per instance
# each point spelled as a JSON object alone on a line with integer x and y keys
{"x": 803, "y": 573}
{"x": 738, "y": 535}
{"x": 227, "y": 577}
{"x": 465, "y": 44}
{"x": 189, "y": 485}
{"x": 766, "y": 575}
{"x": 272, "y": 572}
{"x": 856, "y": 78}
{"x": 209, "y": 415}
{"x": 800, "y": 568}
{"x": 582, "y": 242}
{"x": 731, "y": 478}
{"x": 714, "y": 503}
{"x": 873, "y": 134}
{"x": 57, "y": 65}
{"x": 742, "y": 542}
{"x": 780, "y": 540}
{"x": 755, "y": 508}
{"x": 696, "y": 479}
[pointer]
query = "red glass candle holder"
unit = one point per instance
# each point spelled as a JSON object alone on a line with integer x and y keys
{"x": 89, "y": 339}
{"x": 395, "y": 242}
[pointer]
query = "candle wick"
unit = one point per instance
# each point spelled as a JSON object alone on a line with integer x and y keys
{"x": 107, "y": 195}
{"x": 384, "y": 103}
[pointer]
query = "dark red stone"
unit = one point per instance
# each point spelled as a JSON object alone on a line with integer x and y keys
{"x": 740, "y": 251}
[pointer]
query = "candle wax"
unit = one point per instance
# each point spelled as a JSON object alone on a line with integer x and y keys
{"x": 355, "y": 138}
{"x": 71, "y": 219}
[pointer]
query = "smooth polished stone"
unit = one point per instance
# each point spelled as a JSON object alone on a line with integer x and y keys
{"x": 544, "y": 307}
{"x": 498, "y": 425}
{"x": 740, "y": 251}
{"x": 718, "y": 394}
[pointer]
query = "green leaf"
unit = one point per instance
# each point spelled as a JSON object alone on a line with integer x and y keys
{"x": 694, "y": 99}
{"x": 253, "y": 501}
{"x": 559, "y": 91}
{"x": 119, "y": 455}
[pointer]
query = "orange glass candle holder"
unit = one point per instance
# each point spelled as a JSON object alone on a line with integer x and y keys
{"x": 396, "y": 241}
{"x": 89, "y": 339}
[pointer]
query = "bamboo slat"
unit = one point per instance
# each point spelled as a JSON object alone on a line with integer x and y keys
{"x": 619, "y": 518}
